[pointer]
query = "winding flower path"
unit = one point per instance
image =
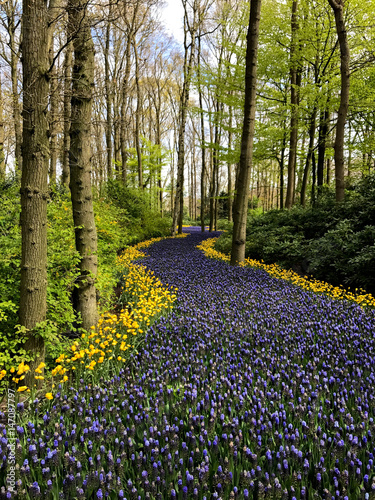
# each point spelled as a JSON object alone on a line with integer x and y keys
{"x": 251, "y": 388}
{"x": 258, "y": 388}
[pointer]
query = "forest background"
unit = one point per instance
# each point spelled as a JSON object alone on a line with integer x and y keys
{"x": 147, "y": 135}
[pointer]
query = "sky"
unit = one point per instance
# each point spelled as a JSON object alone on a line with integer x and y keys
{"x": 172, "y": 17}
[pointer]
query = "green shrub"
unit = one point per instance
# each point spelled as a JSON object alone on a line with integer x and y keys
{"x": 344, "y": 255}
{"x": 144, "y": 223}
{"x": 334, "y": 242}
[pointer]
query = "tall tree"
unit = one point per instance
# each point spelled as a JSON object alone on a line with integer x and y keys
{"x": 138, "y": 116}
{"x": 203, "y": 139}
{"x": 108, "y": 92}
{"x": 294, "y": 100}
{"x": 192, "y": 21}
{"x": 338, "y": 9}
{"x": 80, "y": 160}
{"x": 68, "y": 63}
{"x": 12, "y": 22}
{"x": 54, "y": 11}
{"x": 34, "y": 187}
{"x": 243, "y": 178}
{"x": 2, "y": 155}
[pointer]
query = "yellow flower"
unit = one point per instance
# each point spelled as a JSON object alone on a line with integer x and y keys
{"x": 21, "y": 389}
{"x": 49, "y": 395}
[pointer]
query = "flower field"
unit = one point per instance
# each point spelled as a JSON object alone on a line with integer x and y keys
{"x": 250, "y": 387}
{"x": 317, "y": 286}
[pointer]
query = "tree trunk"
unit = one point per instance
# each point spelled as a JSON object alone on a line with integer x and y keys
{"x": 310, "y": 152}
{"x": 338, "y": 9}
{"x": 68, "y": 63}
{"x": 53, "y": 11}
{"x": 328, "y": 171}
{"x": 34, "y": 186}
{"x": 217, "y": 161}
{"x": 211, "y": 190}
{"x": 2, "y": 156}
{"x": 108, "y": 94}
{"x": 203, "y": 139}
{"x": 184, "y": 101}
{"x": 313, "y": 187}
{"x": 281, "y": 164}
{"x": 80, "y": 162}
{"x": 243, "y": 178}
{"x": 294, "y": 98}
{"x": 230, "y": 194}
{"x": 323, "y": 133}
{"x": 123, "y": 117}
{"x": 138, "y": 118}
{"x": 14, "y": 59}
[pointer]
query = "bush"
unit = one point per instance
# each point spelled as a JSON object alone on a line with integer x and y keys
{"x": 334, "y": 242}
{"x": 144, "y": 223}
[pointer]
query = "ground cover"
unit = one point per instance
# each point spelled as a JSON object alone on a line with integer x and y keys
{"x": 251, "y": 387}
{"x": 307, "y": 282}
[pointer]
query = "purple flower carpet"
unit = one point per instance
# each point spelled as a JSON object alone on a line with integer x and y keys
{"x": 251, "y": 388}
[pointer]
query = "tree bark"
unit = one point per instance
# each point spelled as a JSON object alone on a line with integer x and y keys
{"x": 243, "y": 177}
{"x": 68, "y": 62}
{"x": 2, "y": 156}
{"x": 184, "y": 101}
{"x": 34, "y": 186}
{"x": 54, "y": 6}
{"x": 230, "y": 194}
{"x": 124, "y": 94}
{"x": 108, "y": 95}
{"x": 203, "y": 139}
{"x": 281, "y": 164}
{"x": 323, "y": 133}
{"x": 309, "y": 156}
{"x": 138, "y": 117}
{"x": 294, "y": 98}
{"x": 338, "y": 9}
{"x": 14, "y": 60}
{"x": 80, "y": 162}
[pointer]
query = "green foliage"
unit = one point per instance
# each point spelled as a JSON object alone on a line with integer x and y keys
{"x": 333, "y": 242}
{"x": 153, "y": 156}
{"x": 122, "y": 217}
{"x": 345, "y": 255}
{"x": 62, "y": 262}
{"x": 112, "y": 224}
{"x": 224, "y": 225}
{"x": 10, "y": 256}
{"x": 144, "y": 223}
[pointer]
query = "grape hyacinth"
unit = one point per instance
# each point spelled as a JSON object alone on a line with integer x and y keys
{"x": 250, "y": 388}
